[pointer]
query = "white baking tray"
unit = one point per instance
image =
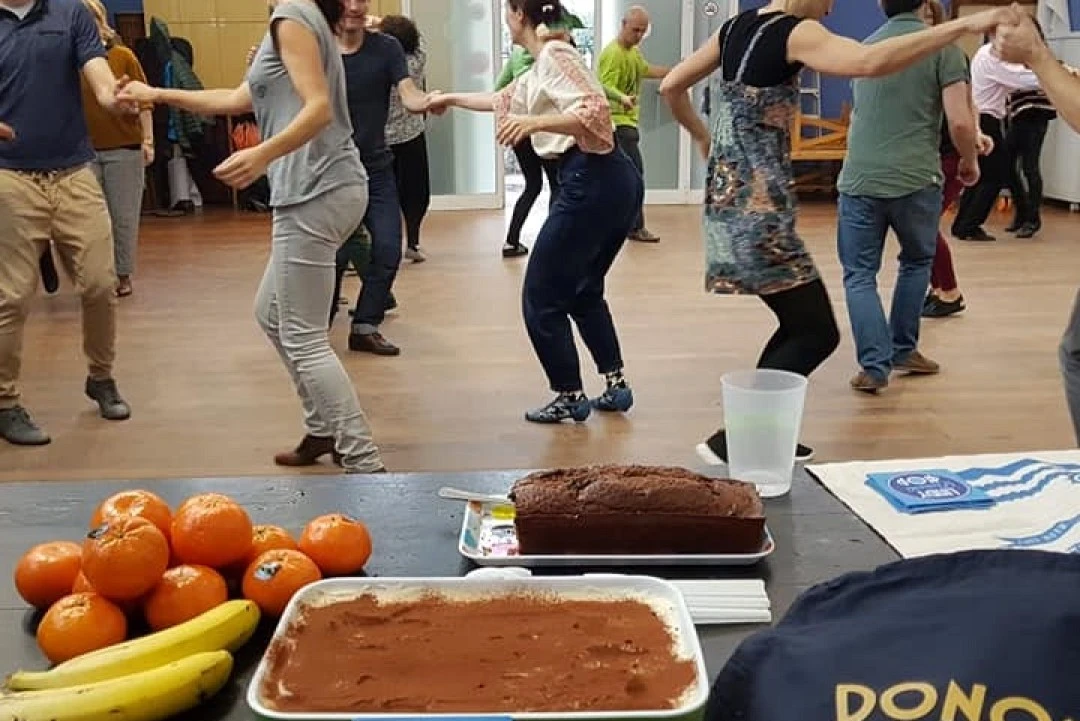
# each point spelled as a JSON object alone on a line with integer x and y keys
{"x": 488, "y": 539}
{"x": 660, "y": 594}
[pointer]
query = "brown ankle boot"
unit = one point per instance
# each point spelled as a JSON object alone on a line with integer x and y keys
{"x": 308, "y": 453}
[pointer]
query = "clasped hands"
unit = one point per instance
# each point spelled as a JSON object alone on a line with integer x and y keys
{"x": 1015, "y": 37}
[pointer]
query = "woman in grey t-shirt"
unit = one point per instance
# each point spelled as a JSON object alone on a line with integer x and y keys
{"x": 318, "y": 191}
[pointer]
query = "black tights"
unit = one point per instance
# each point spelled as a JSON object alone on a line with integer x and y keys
{"x": 534, "y": 169}
{"x": 807, "y": 334}
{"x": 413, "y": 185}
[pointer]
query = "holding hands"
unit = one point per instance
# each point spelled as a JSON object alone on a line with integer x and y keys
{"x": 134, "y": 92}
{"x": 1019, "y": 42}
{"x": 6, "y": 133}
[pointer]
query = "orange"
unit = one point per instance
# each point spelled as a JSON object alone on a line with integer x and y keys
{"x": 211, "y": 530}
{"x": 143, "y": 504}
{"x": 339, "y": 545}
{"x": 78, "y": 624}
{"x": 269, "y": 538}
{"x": 183, "y": 593}
{"x": 125, "y": 558}
{"x": 47, "y": 572}
{"x": 274, "y": 578}
{"x": 83, "y": 586}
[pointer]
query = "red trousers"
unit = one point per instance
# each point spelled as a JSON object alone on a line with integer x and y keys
{"x": 942, "y": 276}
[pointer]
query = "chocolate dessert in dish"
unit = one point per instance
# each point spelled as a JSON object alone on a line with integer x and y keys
{"x": 628, "y": 510}
{"x": 485, "y": 653}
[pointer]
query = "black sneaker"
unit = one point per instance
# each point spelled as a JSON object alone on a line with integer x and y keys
{"x": 564, "y": 407}
{"x": 939, "y": 308}
{"x": 107, "y": 396}
{"x": 714, "y": 450}
{"x": 18, "y": 428}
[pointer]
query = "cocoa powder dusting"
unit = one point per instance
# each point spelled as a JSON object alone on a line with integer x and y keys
{"x": 504, "y": 654}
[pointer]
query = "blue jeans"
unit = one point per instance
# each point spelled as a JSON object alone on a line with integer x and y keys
{"x": 383, "y": 221}
{"x": 863, "y": 224}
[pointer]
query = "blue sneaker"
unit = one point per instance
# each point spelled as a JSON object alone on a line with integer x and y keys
{"x": 617, "y": 399}
{"x": 564, "y": 407}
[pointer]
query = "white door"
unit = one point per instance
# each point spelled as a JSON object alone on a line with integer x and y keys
{"x": 463, "y": 56}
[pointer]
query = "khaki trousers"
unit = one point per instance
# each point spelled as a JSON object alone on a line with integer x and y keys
{"x": 68, "y": 208}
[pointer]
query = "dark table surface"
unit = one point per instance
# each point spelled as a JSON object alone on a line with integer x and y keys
{"x": 415, "y": 534}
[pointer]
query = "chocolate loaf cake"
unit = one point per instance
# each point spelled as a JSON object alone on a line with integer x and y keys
{"x": 635, "y": 510}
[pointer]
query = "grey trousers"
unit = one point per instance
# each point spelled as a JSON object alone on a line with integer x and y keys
{"x": 291, "y": 309}
{"x": 1069, "y": 357}
{"x": 122, "y": 177}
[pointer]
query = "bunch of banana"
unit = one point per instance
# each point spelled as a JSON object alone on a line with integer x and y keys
{"x": 145, "y": 679}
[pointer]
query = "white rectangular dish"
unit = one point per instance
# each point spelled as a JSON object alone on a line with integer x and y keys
{"x": 661, "y": 595}
{"x": 488, "y": 539}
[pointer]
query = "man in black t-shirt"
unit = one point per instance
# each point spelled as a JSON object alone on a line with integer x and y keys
{"x": 374, "y": 65}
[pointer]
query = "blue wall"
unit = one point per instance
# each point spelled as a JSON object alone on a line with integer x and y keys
{"x": 131, "y": 6}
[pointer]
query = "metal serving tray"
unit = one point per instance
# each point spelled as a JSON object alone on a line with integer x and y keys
{"x": 488, "y": 539}
{"x": 660, "y": 594}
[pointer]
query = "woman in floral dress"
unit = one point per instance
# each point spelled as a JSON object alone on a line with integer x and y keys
{"x": 751, "y": 245}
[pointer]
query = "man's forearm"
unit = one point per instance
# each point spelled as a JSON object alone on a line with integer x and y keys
{"x": 146, "y": 121}
{"x": 99, "y": 77}
{"x": 1060, "y": 86}
{"x": 965, "y": 138}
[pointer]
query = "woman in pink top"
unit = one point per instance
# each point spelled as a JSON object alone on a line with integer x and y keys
{"x": 560, "y": 105}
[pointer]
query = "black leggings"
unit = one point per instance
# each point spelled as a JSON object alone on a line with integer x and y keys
{"x": 807, "y": 334}
{"x": 534, "y": 169}
{"x": 413, "y": 185}
{"x": 1025, "y": 140}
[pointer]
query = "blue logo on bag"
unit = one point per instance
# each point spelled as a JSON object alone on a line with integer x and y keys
{"x": 928, "y": 487}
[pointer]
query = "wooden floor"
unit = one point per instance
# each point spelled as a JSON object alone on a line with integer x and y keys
{"x": 210, "y": 398}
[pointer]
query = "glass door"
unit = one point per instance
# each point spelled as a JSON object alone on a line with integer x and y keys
{"x": 462, "y": 55}
{"x": 662, "y": 146}
{"x": 709, "y": 16}
{"x": 585, "y": 38}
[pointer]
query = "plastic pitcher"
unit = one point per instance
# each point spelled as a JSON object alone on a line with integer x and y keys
{"x": 763, "y": 415}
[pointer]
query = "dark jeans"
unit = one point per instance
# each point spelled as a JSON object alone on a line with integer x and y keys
{"x": 383, "y": 222}
{"x": 994, "y": 174}
{"x": 534, "y": 169}
{"x": 1025, "y": 140}
{"x": 413, "y": 185}
{"x": 863, "y": 224}
{"x": 577, "y": 245}
{"x": 629, "y": 139}
{"x": 807, "y": 335}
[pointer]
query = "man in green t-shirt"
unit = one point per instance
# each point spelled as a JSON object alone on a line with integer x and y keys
{"x": 892, "y": 179}
{"x": 624, "y": 68}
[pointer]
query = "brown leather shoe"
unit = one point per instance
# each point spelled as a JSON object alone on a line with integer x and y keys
{"x": 372, "y": 343}
{"x": 308, "y": 453}
{"x": 917, "y": 364}
{"x": 866, "y": 383}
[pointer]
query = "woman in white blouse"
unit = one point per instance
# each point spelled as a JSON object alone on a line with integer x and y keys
{"x": 562, "y": 107}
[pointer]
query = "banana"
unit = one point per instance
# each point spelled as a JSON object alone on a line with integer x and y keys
{"x": 145, "y": 696}
{"x": 226, "y": 627}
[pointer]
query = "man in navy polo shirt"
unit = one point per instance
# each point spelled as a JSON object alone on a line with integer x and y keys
{"x": 48, "y": 192}
{"x": 374, "y": 64}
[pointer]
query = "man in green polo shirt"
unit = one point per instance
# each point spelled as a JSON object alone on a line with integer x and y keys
{"x": 892, "y": 179}
{"x": 624, "y": 68}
